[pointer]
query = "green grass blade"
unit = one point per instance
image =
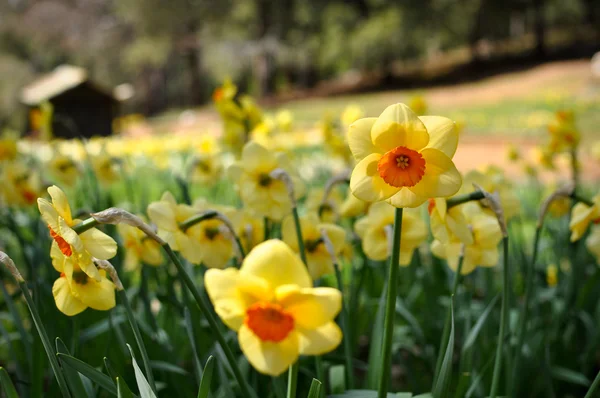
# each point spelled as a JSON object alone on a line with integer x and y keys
{"x": 73, "y": 379}
{"x": 7, "y": 385}
{"x": 190, "y": 333}
{"x": 594, "y": 387}
{"x": 570, "y": 376}
{"x": 315, "y": 389}
{"x": 90, "y": 372}
{"x": 204, "y": 389}
{"x": 373, "y": 372}
{"x": 168, "y": 367}
{"x": 110, "y": 370}
{"x": 123, "y": 390}
{"x": 473, "y": 333}
{"x": 143, "y": 385}
{"x": 441, "y": 384}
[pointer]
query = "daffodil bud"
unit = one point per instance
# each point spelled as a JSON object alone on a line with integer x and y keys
{"x": 112, "y": 272}
{"x": 4, "y": 259}
{"x": 492, "y": 200}
{"x": 116, "y": 216}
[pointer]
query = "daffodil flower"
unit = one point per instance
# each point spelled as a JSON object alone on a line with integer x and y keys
{"x": 215, "y": 246}
{"x": 447, "y": 224}
{"x": 402, "y": 158}
{"x": 483, "y": 249}
{"x": 271, "y": 304}
{"x": 375, "y": 240}
{"x": 319, "y": 259}
{"x": 250, "y": 229}
{"x": 262, "y": 194}
{"x": 564, "y": 135}
{"x": 64, "y": 169}
{"x": 581, "y": 217}
{"x": 138, "y": 248}
{"x": 105, "y": 168}
{"x": 74, "y": 291}
{"x": 353, "y": 207}
{"x": 492, "y": 179}
{"x": 328, "y": 211}
{"x": 79, "y": 249}
{"x": 20, "y": 185}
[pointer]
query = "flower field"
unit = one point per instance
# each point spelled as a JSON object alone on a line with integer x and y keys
{"x": 351, "y": 259}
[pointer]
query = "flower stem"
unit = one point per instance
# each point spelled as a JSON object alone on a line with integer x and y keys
{"x": 583, "y": 200}
{"x": 138, "y": 338}
{"x": 458, "y": 200}
{"x": 85, "y": 225}
{"x": 503, "y": 321}
{"x": 212, "y": 322}
{"x": 446, "y": 331}
{"x": 390, "y": 306}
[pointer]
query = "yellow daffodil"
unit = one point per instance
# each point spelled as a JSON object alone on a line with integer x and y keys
{"x": 375, "y": 227}
{"x": 448, "y": 224}
{"x": 64, "y": 169}
{"x": 74, "y": 291}
{"x": 483, "y": 251}
{"x": 105, "y": 168}
{"x": 8, "y": 148}
{"x": 318, "y": 258}
{"x": 250, "y": 229}
{"x": 403, "y": 159}
{"x": 593, "y": 242}
{"x": 271, "y": 303}
{"x": 418, "y": 104}
{"x": 205, "y": 168}
{"x": 328, "y": 211}
{"x": 581, "y": 217}
{"x": 353, "y": 207}
{"x": 215, "y": 245}
{"x": 350, "y": 114}
{"x": 138, "y": 248}
{"x": 167, "y": 214}
{"x": 334, "y": 141}
{"x": 493, "y": 179}
{"x": 284, "y": 120}
{"x": 552, "y": 275}
{"x": 544, "y": 157}
{"x": 20, "y": 184}
{"x": 564, "y": 135}
{"x": 260, "y": 192}
{"x": 78, "y": 250}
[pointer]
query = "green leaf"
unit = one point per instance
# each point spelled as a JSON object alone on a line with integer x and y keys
{"x": 410, "y": 318}
{"x": 441, "y": 384}
{"x": 473, "y": 333}
{"x": 570, "y": 376}
{"x": 7, "y": 385}
{"x": 373, "y": 372}
{"x": 110, "y": 370}
{"x": 142, "y": 383}
{"x": 123, "y": 390}
{"x": 73, "y": 378}
{"x": 90, "y": 372}
{"x": 204, "y": 389}
{"x": 363, "y": 394}
{"x": 315, "y": 389}
{"x": 337, "y": 381}
{"x": 168, "y": 367}
{"x": 99, "y": 328}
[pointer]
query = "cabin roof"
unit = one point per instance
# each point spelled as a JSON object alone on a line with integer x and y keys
{"x": 60, "y": 80}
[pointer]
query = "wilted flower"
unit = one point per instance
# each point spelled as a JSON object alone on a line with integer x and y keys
{"x": 318, "y": 258}
{"x": 264, "y": 195}
{"x": 76, "y": 250}
{"x": 375, "y": 241}
{"x": 403, "y": 159}
{"x": 271, "y": 304}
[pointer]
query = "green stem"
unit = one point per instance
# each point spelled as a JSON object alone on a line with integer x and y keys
{"x": 345, "y": 331}
{"x": 60, "y": 378}
{"x": 138, "y": 338}
{"x": 390, "y": 306}
{"x": 212, "y": 322}
{"x": 529, "y": 287}
{"x": 293, "y": 370}
{"x": 85, "y": 225}
{"x": 458, "y": 200}
{"x": 581, "y": 199}
{"x": 207, "y": 215}
{"x": 503, "y": 321}
{"x": 594, "y": 387}
{"x": 446, "y": 331}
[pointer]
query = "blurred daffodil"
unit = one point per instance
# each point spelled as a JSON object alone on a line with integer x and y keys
{"x": 375, "y": 231}
{"x": 581, "y": 217}
{"x": 8, "y": 148}
{"x": 264, "y": 195}
{"x": 139, "y": 249}
{"x": 564, "y": 134}
{"x": 327, "y": 210}
{"x": 512, "y": 153}
{"x": 21, "y": 185}
{"x": 403, "y": 159}
{"x": 418, "y": 104}
{"x": 350, "y": 114}
{"x": 483, "y": 249}
{"x": 493, "y": 179}
{"x": 319, "y": 259}
{"x": 271, "y": 304}
{"x": 593, "y": 242}
{"x": 64, "y": 169}
{"x": 249, "y": 228}
{"x": 552, "y": 275}
{"x": 353, "y": 207}
{"x": 105, "y": 168}
{"x": 448, "y": 224}
{"x": 68, "y": 248}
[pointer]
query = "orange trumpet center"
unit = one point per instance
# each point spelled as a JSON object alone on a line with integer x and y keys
{"x": 269, "y": 321}
{"x": 64, "y": 247}
{"x": 401, "y": 167}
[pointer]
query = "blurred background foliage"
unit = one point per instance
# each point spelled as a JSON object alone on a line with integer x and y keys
{"x": 175, "y": 52}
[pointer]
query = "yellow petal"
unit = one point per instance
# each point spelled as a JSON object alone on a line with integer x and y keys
{"x": 257, "y": 157}
{"x": 407, "y": 198}
{"x": 319, "y": 263}
{"x": 336, "y": 234}
{"x": 310, "y": 307}
{"x": 366, "y": 183}
{"x": 277, "y": 264}
{"x": 61, "y": 203}
{"x": 486, "y": 231}
{"x": 458, "y": 225}
{"x": 169, "y": 198}
{"x": 65, "y": 302}
{"x": 321, "y": 340}
{"x": 288, "y": 232}
{"x": 163, "y": 215}
{"x": 375, "y": 244}
{"x": 48, "y": 213}
{"x": 268, "y": 357}
{"x": 442, "y": 134}
{"x": 359, "y": 138}
{"x": 593, "y": 242}
{"x": 98, "y": 244}
{"x": 441, "y": 178}
{"x": 57, "y": 257}
{"x": 97, "y": 295}
{"x": 580, "y": 219}
{"x": 398, "y": 126}
{"x": 235, "y": 171}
